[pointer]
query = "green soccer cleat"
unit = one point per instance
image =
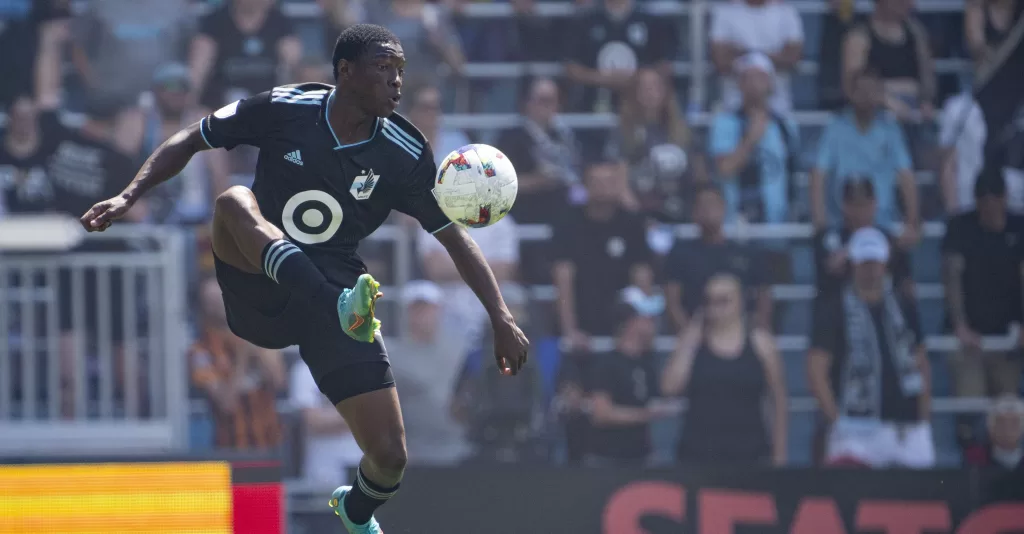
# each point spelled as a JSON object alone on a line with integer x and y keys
{"x": 337, "y": 503}
{"x": 355, "y": 309}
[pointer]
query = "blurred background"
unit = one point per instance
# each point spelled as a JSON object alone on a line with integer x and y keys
{"x": 687, "y": 255}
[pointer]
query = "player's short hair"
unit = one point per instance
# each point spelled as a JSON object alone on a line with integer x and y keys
{"x": 356, "y": 39}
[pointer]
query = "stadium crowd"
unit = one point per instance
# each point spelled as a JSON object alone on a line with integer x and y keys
{"x": 653, "y": 343}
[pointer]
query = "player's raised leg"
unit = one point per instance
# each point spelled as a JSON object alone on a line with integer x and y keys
{"x": 376, "y": 422}
{"x": 244, "y": 239}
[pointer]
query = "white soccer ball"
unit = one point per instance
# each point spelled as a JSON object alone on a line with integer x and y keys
{"x": 476, "y": 186}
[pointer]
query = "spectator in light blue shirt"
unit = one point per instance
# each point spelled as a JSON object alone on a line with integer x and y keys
{"x": 753, "y": 148}
{"x": 865, "y": 141}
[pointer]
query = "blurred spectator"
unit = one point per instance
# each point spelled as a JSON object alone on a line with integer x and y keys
{"x": 1005, "y": 425}
{"x": 545, "y": 153}
{"x": 499, "y": 244}
{"x": 754, "y": 148}
{"x": 188, "y": 197}
{"x": 239, "y": 380}
{"x": 34, "y": 33}
{"x": 691, "y": 264}
{"x": 983, "y": 250}
{"x": 337, "y": 15}
{"x": 962, "y": 133}
{"x": 987, "y": 23}
{"x": 118, "y": 45}
{"x": 330, "y": 450}
{"x": 30, "y": 138}
{"x": 835, "y": 23}
{"x": 865, "y": 141}
{"x": 500, "y": 415}
{"x": 665, "y": 160}
{"x": 315, "y": 69}
{"x": 242, "y": 47}
{"x": 868, "y": 368}
{"x": 600, "y": 248}
{"x": 426, "y": 362}
{"x": 893, "y": 43}
{"x": 428, "y": 37}
{"x": 425, "y": 113}
{"x": 726, "y": 367}
{"x": 831, "y": 255}
{"x": 771, "y": 28}
{"x": 609, "y": 43}
{"x": 622, "y": 387}
{"x": 533, "y": 34}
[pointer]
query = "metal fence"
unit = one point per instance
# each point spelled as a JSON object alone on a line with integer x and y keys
{"x": 94, "y": 339}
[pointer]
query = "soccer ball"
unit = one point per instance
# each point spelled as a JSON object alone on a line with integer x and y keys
{"x": 476, "y": 186}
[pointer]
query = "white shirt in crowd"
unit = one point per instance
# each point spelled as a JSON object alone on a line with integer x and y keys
{"x": 962, "y": 126}
{"x": 329, "y": 460}
{"x": 498, "y": 243}
{"x": 767, "y": 29}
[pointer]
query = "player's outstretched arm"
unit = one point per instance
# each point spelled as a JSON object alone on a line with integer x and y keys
{"x": 167, "y": 161}
{"x": 510, "y": 344}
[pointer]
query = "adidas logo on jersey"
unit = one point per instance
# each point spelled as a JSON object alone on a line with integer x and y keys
{"x": 294, "y": 157}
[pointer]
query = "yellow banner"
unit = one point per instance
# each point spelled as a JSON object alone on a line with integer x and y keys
{"x": 192, "y": 498}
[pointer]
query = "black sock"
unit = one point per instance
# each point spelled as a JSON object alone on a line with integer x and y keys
{"x": 365, "y": 497}
{"x": 286, "y": 264}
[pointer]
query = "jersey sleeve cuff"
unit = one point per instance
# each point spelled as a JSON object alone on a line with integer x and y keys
{"x": 446, "y": 225}
{"x": 204, "y": 130}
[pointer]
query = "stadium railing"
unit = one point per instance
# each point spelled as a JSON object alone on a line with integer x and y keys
{"x": 129, "y": 389}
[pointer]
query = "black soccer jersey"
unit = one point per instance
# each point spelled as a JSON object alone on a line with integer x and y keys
{"x": 326, "y": 196}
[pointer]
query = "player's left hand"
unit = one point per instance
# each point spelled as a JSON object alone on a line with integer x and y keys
{"x": 510, "y": 345}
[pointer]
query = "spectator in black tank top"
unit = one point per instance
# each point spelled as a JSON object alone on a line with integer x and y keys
{"x": 622, "y": 387}
{"x": 726, "y": 368}
{"x": 894, "y": 44}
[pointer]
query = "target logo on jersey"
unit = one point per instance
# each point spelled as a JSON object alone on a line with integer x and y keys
{"x": 312, "y": 217}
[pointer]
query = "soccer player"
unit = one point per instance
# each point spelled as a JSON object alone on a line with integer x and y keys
{"x": 333, "y": 163}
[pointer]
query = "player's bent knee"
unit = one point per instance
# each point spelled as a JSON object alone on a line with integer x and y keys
{"x": 391, "y": 458}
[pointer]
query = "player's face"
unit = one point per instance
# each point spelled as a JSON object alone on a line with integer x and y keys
{"x": 376, "y": 78}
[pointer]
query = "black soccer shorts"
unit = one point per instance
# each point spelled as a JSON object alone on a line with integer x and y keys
{"x": 267, "y": 315}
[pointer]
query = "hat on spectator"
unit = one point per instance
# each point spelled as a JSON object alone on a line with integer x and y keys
{"x": 641, "y": 303}
{"x": 171, "y": 74}
{"x": 990, "y": 182}
{"x": 868, "y": 244}
{"x": 421, "y": 291}
{"x": 753, "y": 60}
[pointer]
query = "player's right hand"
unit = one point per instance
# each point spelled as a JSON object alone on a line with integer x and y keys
{"x": 103, "y": 214}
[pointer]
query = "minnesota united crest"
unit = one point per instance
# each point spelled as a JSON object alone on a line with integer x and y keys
{"x": 362, "y": 186}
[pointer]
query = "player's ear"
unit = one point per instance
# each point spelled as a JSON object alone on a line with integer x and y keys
{"x": 344, "y": 68}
